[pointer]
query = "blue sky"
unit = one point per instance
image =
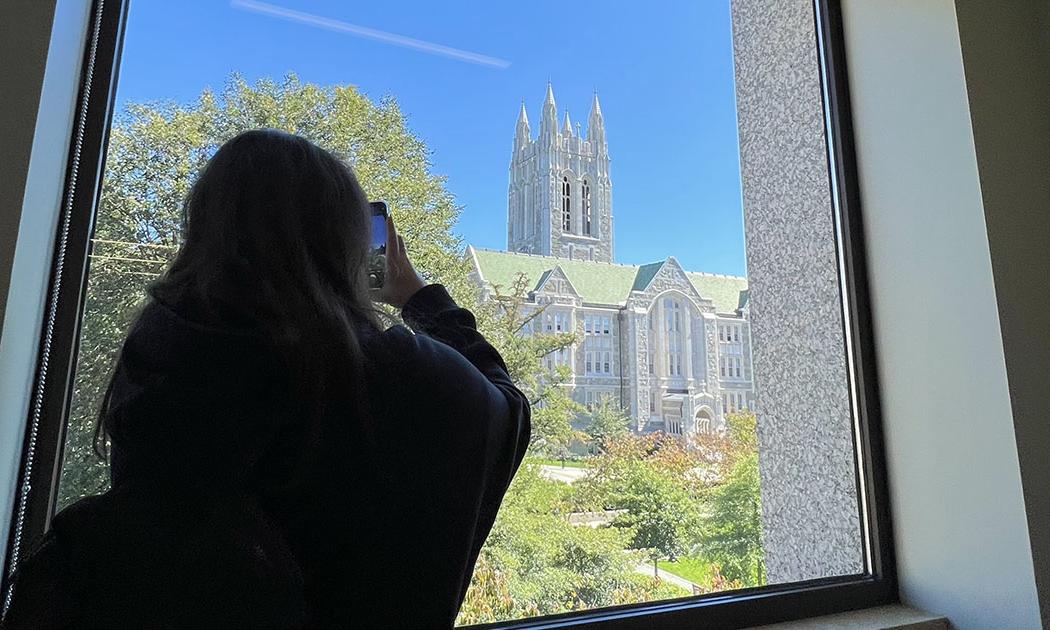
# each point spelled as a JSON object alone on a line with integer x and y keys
{"x": 663, "y": 70}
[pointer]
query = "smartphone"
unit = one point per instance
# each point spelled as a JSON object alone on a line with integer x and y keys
{"x": 377, "y": 255}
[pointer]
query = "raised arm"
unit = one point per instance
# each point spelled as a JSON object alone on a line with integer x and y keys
{"x": 483, "y": 417}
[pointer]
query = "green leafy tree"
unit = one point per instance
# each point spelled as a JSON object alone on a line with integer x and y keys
{"x": 155, "y": 151}
{"x": 732, "y": 533}
{"x": 489, "y": 597}
{"x": 548, "y": 565}
{"x": 608, "y": 421}
{"x": 552, "y": 415}
{"x": 660, "y": 512}
{"x": 507, "y": 320}
{"x": 647, "y": 477}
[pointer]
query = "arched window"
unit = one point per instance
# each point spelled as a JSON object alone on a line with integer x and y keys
{"x": 673, "y": 334}
{"x": 525, "y": 218}
{"x": 534, "y": 214}
{"x": 586, "y": 208}
{"x": 566, "y": 205}
{"x": 521, "y": 213}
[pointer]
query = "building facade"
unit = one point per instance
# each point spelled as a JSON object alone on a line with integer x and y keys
{"x": 671, "y": 346}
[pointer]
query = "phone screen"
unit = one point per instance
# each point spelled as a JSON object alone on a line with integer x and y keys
{"x": 379, "y": 227}
{"x": 377, "y": 257}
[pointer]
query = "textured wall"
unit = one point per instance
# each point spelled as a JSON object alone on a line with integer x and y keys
{"x": 809, "y": 495}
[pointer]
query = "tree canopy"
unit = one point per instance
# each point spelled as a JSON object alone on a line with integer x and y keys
{"x": 732, "y": 535}
{"x": 156, "y": 149}
{"x": 608, "y": 421}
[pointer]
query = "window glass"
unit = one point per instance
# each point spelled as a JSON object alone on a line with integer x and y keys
{"x": 586, "y": 208}
{"x": 566, "y": 204}
{"x": 460, "y": 119}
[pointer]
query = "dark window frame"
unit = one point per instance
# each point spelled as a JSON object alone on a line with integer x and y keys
{"x": 53, "y": 383}
{"x": 52, "y": 389}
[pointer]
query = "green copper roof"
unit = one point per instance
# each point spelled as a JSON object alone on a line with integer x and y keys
{"x": 602, "y": 283}
{"x": 539, "y": 281}
{"x": 724, "y": 291}
{"x": 599, "y": 283}
{"x": 646, "y": 273}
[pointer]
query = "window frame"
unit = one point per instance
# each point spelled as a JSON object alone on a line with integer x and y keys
{"x": 52, "y": 383}
{"x": 52, "y": 386}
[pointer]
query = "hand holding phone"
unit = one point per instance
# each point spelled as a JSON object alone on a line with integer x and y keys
{"x": 377, "y": 253}
{"x": 399, "y": 278}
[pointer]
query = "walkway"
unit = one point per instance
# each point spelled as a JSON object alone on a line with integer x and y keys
{"x": 567, "y": 474}
{"x": 647, "y": 569}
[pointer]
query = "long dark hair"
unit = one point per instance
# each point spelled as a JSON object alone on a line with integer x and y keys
{"x": 276, "y": 233}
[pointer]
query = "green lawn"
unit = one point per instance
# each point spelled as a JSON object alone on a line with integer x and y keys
{"x": 569, "y": 463}
{"x": 696, "y": 570}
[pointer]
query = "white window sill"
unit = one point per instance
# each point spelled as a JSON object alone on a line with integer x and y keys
{"x": 895, "y": 617}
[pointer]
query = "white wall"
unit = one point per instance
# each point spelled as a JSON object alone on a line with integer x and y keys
{"x": 33, "y": 214}
{"x": 959, "y": 514}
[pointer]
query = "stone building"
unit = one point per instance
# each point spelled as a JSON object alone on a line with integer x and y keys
{"x": 671, "y": 346}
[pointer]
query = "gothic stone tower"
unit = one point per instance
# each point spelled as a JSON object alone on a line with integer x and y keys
{"x": 560, "y": 194}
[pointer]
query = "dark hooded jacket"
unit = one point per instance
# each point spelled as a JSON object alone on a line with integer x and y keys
{"x": 226, "y": 512}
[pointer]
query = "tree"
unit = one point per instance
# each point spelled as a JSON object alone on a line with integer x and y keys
{"x": 156, "y": 149}
{"x": 547, "y": 565}
{"x": 506, "y": 320}
{"x": 732, "y": 533}
{"x": 608, "y": 421}
{"x": 489, "y": 597}
{"x": 660, "y": 512}
{"x": 647, "y": 476}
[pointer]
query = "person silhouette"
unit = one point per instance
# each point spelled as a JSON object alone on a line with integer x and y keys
{"x": 279, "y": 458}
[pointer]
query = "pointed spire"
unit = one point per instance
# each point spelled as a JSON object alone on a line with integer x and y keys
{"x": 567, "y": 126}
{"x": 523, "y": 116}
{"x": 596, "y": 107}
{"x": 522, "y": 133}
{"x": 549, "y": 121}
{"x": 596, "y": 126}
